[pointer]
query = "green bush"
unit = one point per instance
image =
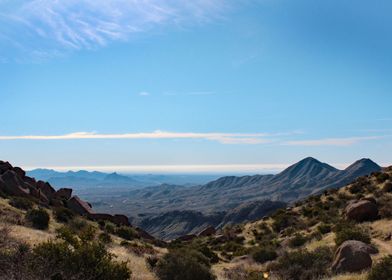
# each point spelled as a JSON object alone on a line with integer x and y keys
{"x": 346, "y": 232}
{"x": 324, "y": 228}
{"x": 105, "y": 237}
{"x": 303, "y": 265}
{"x": 282, "y": 220}
{"x": 184, "y": 265}
{"x": 387, "y": 187}
{"x": 298, "y": 240}
{"x": 382, "y": 177}
{"x": 382, "y": 270}
{"x": 152, "y": 262}
{"x": 21, "y": 203}
{"x": 264, "y": 254}
{"x": 63, "y": 215}
{"x": 207, "y": 252}
{"x": 67, "y": 234}
{"x": 89, "y": 260}
{"x": 127, "y": 233}
{"x": 39, "y": 218}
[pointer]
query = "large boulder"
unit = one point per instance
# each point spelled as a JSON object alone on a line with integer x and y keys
{"x": 13, "y": 184}
{"x": 79, "y": 206}
{"x": 5, "y": 166}
{"x": 46, "y": 189}
{"x": 21, "y": 173}
{"x": 360, "y": 211}
{"x": 63, "y": 194}
{"x": 353, "y": 256}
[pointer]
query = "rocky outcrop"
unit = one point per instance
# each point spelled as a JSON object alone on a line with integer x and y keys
{"x": 13, "y": 181}
{"x": 46, "y": 189}
{"x": 63, "y": 194}
{"x": 120, "y": 220}
{"x": 4, "y": 166}
{"x": 79, "y": 206}
{"x": 13, "y": 185}
{"x": 353, "y": 256}
{"x": 360, "y": 211}
{"x": 207, "y": 232}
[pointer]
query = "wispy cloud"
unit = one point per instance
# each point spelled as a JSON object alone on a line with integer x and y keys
{"x": 331, "y": 141}
{"x": 144, "y": 93}
{"x": 224, "y": 138}
{"x": 87, "y": 24}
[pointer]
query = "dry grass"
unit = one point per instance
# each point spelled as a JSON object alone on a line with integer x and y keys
{"x": 361, "y": 276}
{"x": 136, "y": 264}
{"x": 29, "y": 235}
{"x": 328, "y": 240}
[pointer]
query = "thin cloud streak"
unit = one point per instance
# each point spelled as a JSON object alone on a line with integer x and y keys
{"x": 349, "y": 141}
{"x": 88, "y": 24}
{"x": 224, "y": 138}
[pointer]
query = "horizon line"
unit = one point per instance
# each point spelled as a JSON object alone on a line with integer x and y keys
{"x": 181, "y": 168}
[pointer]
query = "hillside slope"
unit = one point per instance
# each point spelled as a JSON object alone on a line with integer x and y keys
{"x": 306, "y": 177}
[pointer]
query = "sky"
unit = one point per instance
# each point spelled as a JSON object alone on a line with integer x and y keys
{"x": 194, "y": 86}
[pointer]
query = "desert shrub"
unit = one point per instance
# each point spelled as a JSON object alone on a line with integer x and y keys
{"x": 346, "y": 232}
{"x": 127, "y": 233}
{"x": 21, "y": 203}
{"x": 282, "y": 220}
{"x": 181, "y": 265}
{"x": 151, "y": 262}
{"x": 242, "y": 272}
{"x": 382, "y": 270}
{"x": 63, "y": 215}
{"x": 303, "y": 265}
{"x": 324, "y": 228}
{"x": 298, "y": 240}
{"x": 105, "y": 237}
{"x": 387, "y": 187}
{"x": 39, "y": 218}
{"x": 235, "y": 248}
{"x": 89, "y": 260}
{"x": 67, "y": 234}
{"x": 87, "y": 233}
{"x": 138, "y": 249}
{"x": 264, "y": 254}
{"x": 208, "y": 253}
{"x": 385, "y": 206}
{"x": 77, "y": 224}
{"x": 382, "y": 177}
{"x": 110, "y": 228}
{"x": 360, "y": 185}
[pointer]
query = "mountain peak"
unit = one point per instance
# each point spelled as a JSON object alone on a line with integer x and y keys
{"x": 364, "y": 164}
{"x": 305, "y": 169}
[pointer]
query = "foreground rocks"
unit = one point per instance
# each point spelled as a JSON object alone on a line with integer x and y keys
{"x": 361, "y": 211}
{"x": 353, "y": 256}
{"x": 14, "y": 182}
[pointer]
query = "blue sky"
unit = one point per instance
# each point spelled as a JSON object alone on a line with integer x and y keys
{"x": 201, "y": 86}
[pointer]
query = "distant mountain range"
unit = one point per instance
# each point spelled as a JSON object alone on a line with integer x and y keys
{"x": 306, "y": 177}
{"x": 90, "y": 180}
{"x": 172, "y": 210}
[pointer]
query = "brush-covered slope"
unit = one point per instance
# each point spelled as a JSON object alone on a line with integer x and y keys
{"x": 305, "y": 241}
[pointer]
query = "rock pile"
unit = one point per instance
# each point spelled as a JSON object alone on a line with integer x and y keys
{"x": 13, "y": 181}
